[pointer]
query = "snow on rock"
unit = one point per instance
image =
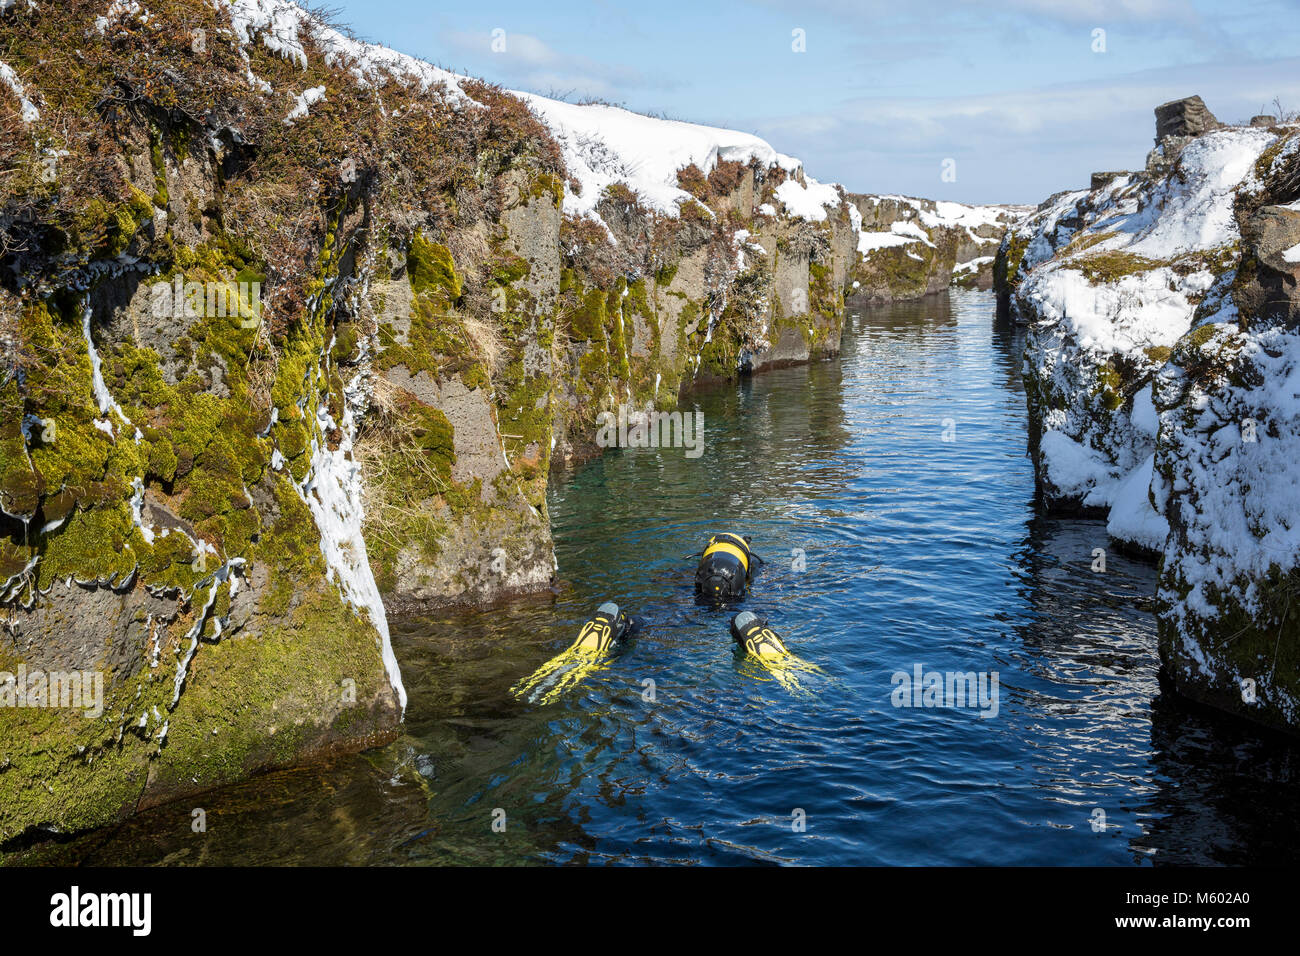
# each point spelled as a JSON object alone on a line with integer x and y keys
{"x": 1162, "y": 371}
{"x": 304, "y": 102}
{"x": 956, "y": 214}
{"x": 911, "y": 230}
{"x": 1143, "y": 417}
{"x": 953, "y": 243}
{"x": 9, "y": 78}
{"x": 278, "y": 24}
{"x": 1232, "y": 444}
{"x": 332, "y": 491}
{"x": 103, "y": 398}
{"x": 1077, "y": 470}
{"x": 604, "y": 145}
{"x": 281, "y": 26}
{"x": 118, "y": 11}
{"x": 1193, "y": 210}
{"x": 1109, "y": 280}
{"x": 869, "y": 240}
{"x": 1152, "y": 308}
{"x": 809, "y": 199}
{"x": 1133, "y": 518}
{"x": 974, "y": 265}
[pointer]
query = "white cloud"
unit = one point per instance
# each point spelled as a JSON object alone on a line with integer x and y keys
{"x": 529, "y": 62}
{"x": 1033, "y": 142}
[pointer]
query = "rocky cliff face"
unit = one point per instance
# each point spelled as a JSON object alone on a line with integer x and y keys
{"x": 909, "y": 248}
{"x": 1159, "y": 371}
{"x": 293, "y": 330}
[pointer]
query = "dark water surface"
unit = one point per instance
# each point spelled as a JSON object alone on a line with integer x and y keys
{"x": 918, "y": 550}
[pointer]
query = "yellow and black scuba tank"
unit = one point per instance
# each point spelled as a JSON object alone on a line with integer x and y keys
{"x": 753, "y": 636}
{"x": 602, "y": 631}
{"x": 725, "y": 568}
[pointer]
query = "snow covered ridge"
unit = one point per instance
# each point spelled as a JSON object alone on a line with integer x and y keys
{"x": 1162, "y": 372}
{"x": 602, "y": 145}
{"x": 280, "y": 27}
{"x": 607, "y": 145}
{"x": 1109, "y": 280}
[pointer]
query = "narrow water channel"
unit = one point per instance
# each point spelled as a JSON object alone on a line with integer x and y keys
{"x": 890, "y": 493}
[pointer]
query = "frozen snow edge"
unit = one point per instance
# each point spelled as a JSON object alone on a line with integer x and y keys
{"x": 332, "y": 491}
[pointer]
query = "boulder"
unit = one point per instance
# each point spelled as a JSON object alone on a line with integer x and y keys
{"x": 1186, "y": 117}
{"x": 1263, "y": 119}
{"x": 1101, "y": 180}
{"x": 1267, "y": 294}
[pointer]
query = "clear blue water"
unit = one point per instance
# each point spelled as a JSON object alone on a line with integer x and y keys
{"x": 918, "y": 550}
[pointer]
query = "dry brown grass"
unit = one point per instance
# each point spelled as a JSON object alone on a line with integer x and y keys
{"x": 391, "y": 465}
{"x": 486, "y": 338}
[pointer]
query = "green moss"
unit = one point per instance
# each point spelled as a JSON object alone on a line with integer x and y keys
{"x": 1107, "y": 267}
{"x": 161, "y": 195}
{"x": 903, "y": 274}
{"x": 507, "y": 268}
{"x": 548, "y": 186}
{"x": 432, "y": 271}
{"x": 588, "y": 320}
{"x": 718, "y": 358}
{"x": 1084, "y": 241}
{"x": 1198, "y": 338}
{"x": 1110, "y": 387}
{"x": 20, "y": 485}
{"x": 1236, "y": 643}
{"x": 287, "y": 689}
{"x": 1007, "y": 262}
{"x": 98, "y": 544}
{"x": 345, "y": 343}
{"x": 432, "y": 433}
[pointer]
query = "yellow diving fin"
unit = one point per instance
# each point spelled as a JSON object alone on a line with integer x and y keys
{"x": 765, "y": 647}
{"x": 589, "y": 653}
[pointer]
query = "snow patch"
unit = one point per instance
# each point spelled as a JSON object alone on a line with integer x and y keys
{"x": 304, "y": 102}
{"x": 1132, "y": 516}
{"x": 9, "y": 78}
{"x": 809, "y": 199}
{"x": 604, "y": 145}
{"x": 332, "y": 490}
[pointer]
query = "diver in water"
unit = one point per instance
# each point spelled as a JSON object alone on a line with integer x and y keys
{"x": 726, "y": 566}
{"x": 598, "y": 640}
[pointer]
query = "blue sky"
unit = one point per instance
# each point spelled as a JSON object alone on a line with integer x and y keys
{"x": 1012, "y": 90}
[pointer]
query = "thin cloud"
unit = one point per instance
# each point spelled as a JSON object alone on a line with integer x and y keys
{"x": 527, "y": 61}
{"x": 1051, "y": 137}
